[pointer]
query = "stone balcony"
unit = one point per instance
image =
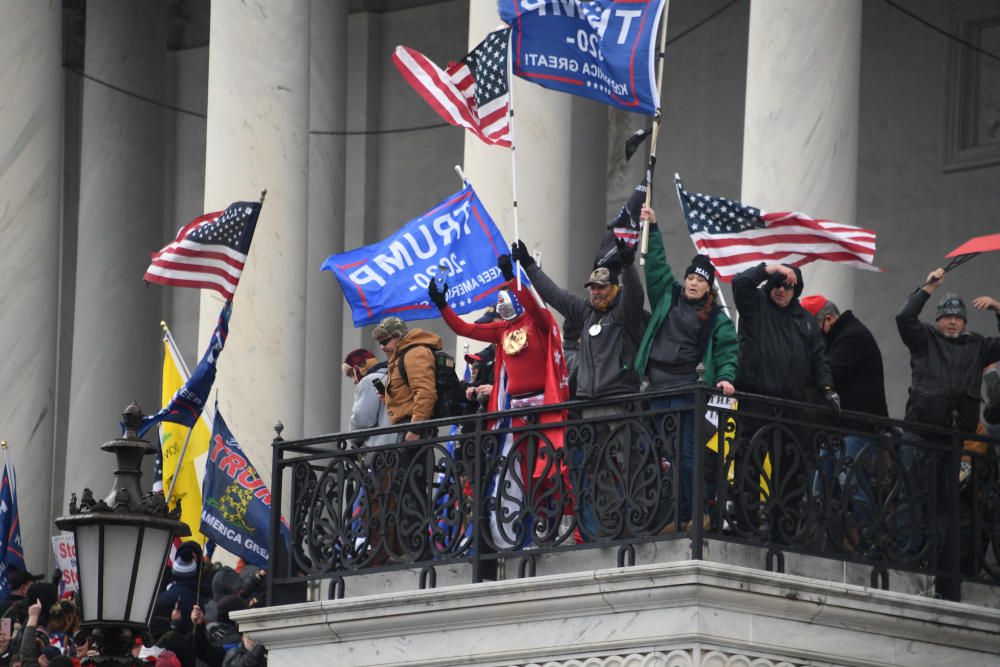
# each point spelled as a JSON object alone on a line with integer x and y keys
{"x": 568, "y": 545}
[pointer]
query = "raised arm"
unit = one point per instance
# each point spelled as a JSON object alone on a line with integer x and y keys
{"x": 659, "y": 277}
{"x": 908, "y": 319}
{"x": 571, "y": 306}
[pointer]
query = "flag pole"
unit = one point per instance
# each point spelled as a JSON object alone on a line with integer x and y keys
{"x": 644, "y": 243}
{"x": 6, "y": 467}
{"x": 177, "y": 355}
{"x": 513, "y": 149}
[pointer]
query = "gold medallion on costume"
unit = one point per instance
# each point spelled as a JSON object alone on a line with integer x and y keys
{"x": 515, "y": 341}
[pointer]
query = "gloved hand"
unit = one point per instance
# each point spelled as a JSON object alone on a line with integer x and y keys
{"x": 519, "y": 253}
{"x": 506, "y": 268}
{"x": 832, "y": 398}
{"x": 437, "y": 296}
{"x": 626, "y": 253}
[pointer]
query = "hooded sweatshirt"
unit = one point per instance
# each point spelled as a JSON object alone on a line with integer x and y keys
{"x": 413, "y": 400}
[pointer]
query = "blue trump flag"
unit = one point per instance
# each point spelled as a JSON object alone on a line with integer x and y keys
{"x": 11, "y": 553}
{"x": 236, "y": 504}
{"x": 189, "y": 401}
{"x": 456, "y": 240}
{"x": 601, "y": 49}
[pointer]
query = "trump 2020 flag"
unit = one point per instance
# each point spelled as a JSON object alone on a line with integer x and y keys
{"x": 236, "y": 504}
{"x": 191, "y": 398}
{"x": 11, "y": 553}
{"x": 601, "y": 49}
{"x": 456, "y": 240}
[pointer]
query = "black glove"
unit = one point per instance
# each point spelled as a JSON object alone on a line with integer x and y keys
{"x": 506, "y": 268}
{"x": 626, "y": 254}
{"x": 519, "y": 253}
{"x": 437, "y": 297}
{"x": 832, "y": 398}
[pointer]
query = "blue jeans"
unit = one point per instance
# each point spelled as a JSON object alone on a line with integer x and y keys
{"x": 861, "y": 491}
{"x": 685, "y": 445}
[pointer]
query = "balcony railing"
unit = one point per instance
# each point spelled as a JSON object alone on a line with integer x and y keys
{"x": 785, "y": 476}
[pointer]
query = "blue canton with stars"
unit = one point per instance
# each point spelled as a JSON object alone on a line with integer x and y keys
{"x": 233, "y": 229}
{"x": 715, "y": 215}
{"x": 488, "y": 64}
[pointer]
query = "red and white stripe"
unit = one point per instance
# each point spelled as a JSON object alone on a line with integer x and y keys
{"x": 452, "y": 94}
{"x": 788, "y": 238}
{"x": 185, "y": 263}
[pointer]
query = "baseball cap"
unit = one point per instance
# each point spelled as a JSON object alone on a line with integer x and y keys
{"x": 603, "y": 276}
{"x": 813, "y": 303}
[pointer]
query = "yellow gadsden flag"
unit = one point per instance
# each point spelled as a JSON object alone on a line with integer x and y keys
{"x": 187, "y": 489}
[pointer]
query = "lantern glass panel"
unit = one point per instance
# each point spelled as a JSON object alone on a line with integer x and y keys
{"x": 87, "y": 563}
{"x": 154, "y": 548}
{"x": 119, "y": 556}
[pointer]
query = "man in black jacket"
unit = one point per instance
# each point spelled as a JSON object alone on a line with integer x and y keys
{"x": 946, "y": 363}
{"x": 782, "y": 355}
{"x": 856, "y": 366}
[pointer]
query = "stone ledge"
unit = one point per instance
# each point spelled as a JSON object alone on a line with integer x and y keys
{"x": 638, "y": 609}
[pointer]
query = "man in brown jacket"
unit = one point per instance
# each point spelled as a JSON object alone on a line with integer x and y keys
{"x": 410, "y": 394}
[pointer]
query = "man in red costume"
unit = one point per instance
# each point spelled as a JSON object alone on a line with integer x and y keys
{"x": 530, "y": 371}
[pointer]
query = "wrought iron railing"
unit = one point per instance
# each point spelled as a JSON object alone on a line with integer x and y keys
{"x": 789, "y": 477}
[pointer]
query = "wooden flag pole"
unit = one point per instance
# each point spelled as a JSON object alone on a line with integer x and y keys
{"x": 644, "y": 243}
{"x": 180, "y": 460}
{"x": 513, "y": 147}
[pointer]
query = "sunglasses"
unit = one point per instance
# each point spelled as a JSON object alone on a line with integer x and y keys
{"x": 784, "y": 286}
{"x": 384, "y": 341}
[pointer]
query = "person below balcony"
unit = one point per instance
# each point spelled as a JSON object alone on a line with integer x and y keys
{"x": 687, "y": 327}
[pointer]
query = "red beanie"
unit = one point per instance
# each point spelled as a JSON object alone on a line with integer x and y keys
{"x": 813, "y": 303}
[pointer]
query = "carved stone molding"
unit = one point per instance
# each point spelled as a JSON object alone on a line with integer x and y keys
{"x": 676, "y": 658}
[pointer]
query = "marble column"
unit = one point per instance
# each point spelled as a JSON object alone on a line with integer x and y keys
{"x": 31, "y": 127}
{"x": 561, "y": 144}
{"x": 800, "y": 141}
{"x": 324, "y": 317}
{"x": 257, "y": 139}
{"x": 364, "y": 81}
{"x": 116, "y": 339}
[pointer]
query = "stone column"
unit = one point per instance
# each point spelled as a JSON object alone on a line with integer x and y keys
{"x": 257, "y": 138}
{"x": 116, "y": 338}
{"x": 364, "y": 81}
{"x": 557, "y": 169}
{"x": 31, "y": 127}
{"x": 324, "y": 317}
{"x": 800, "y": 141}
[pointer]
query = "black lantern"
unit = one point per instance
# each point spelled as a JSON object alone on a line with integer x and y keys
{"x": 122, "y": 543}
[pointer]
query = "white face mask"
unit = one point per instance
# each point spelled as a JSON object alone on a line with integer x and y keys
{"x": 505, "y": 307}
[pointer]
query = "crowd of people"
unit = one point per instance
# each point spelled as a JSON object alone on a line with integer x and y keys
{"x": 189, "y": 625}
{"x": 789, "y": 346}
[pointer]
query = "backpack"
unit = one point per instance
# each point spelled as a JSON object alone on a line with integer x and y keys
{"x": 450, "y": 399}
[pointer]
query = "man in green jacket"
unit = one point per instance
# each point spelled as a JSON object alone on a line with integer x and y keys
{"x": 687, "y": 327}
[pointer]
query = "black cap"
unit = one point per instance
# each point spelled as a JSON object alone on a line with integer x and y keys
{"x": 951, "y": 304}
{"x": 19, "y": 578}
{"x": 701, "y": 265}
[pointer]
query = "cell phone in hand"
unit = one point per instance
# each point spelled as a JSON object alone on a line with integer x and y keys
{"x": 379, "y": 387}
{"x": 5, "y": 627}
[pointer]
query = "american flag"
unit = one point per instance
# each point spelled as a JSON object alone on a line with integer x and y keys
{"x": 209, "y": 252}
{"x": 472, "y": 93}
{"x": 736, "y": 236}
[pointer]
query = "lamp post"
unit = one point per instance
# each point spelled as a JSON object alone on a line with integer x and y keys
{"x": 122, "y": 543}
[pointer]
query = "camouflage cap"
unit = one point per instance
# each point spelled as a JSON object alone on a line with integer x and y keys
{"x": 602, "y": 275}
{"x": 390, "y": 327}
